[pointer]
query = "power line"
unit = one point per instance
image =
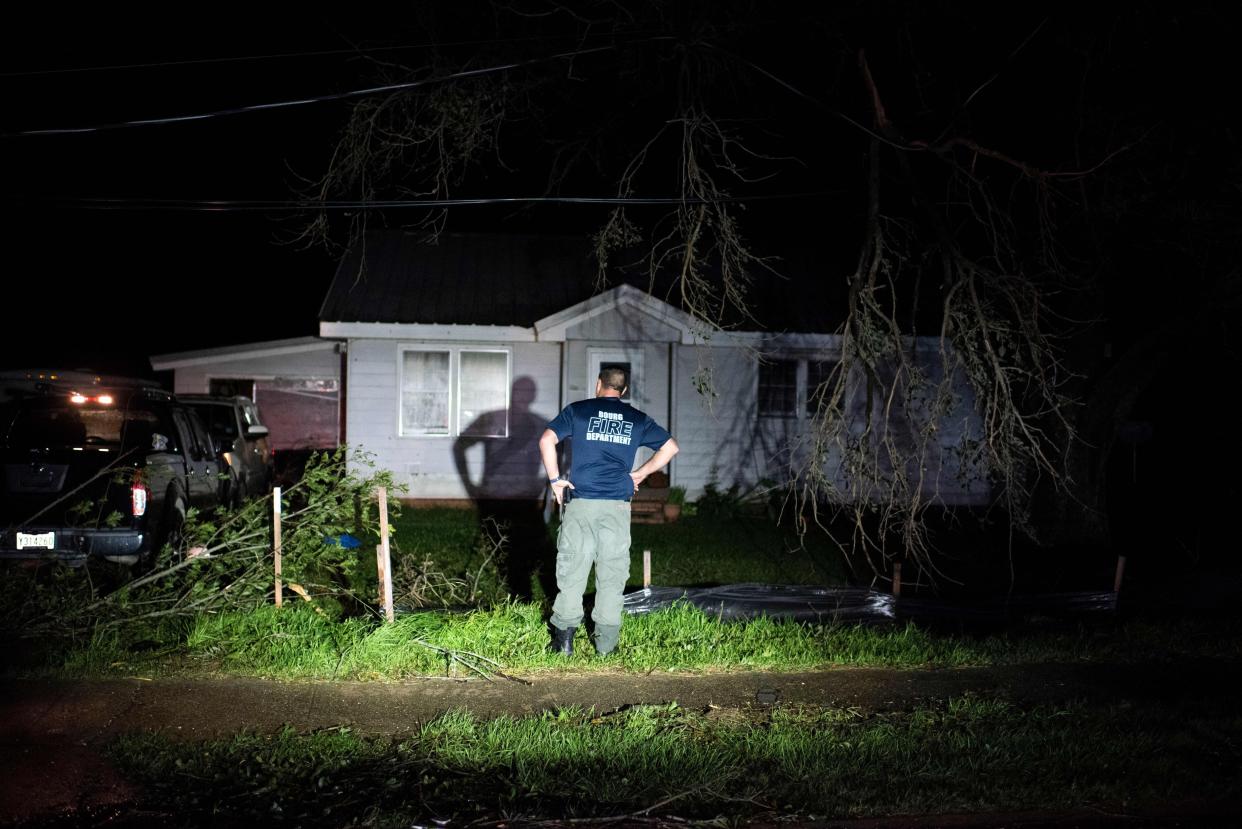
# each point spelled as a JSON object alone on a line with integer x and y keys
{"x": 338, "y": 96}
{"x": 114, "y": 67}
{"x": 236, "y": 205}
{"x": 812, "y": 99}
{"x": 360, "y": 51}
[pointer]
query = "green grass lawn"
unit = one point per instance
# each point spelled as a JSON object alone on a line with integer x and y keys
{"x": 445, "y": 535}
{"x": 695, "y": 550}
{"x": 698, "y": 550}
{"x": 298, "y": 643}
{"x": 965, "y": 754}
{"x": 960, "y": 755}
{"x": 322, "y": 640}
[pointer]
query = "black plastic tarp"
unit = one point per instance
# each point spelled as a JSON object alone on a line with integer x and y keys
{"x": 860, "y": 605}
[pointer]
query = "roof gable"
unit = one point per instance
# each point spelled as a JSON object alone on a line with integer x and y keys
{"x": 642, "y": 317}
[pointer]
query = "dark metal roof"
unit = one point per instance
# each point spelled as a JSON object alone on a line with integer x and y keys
{"x": 496, "y": 279}
{"x": 463, "y": 279}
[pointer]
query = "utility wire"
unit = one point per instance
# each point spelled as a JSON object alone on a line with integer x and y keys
{"x": 160, "y": 64}
{"x": 338, "y": 96}
{"x": 359, "y": 51}
{"x": 236, "y": 205}
{"x": 812, "y": 99}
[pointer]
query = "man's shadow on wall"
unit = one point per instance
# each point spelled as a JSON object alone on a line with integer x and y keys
{"x": 512, "y": 488}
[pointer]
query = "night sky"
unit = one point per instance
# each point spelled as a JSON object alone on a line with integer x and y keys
{"x": 107, "y": 288}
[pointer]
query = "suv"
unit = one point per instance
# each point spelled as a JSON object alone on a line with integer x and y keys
{"x": 241, "y": 440}
{"x": 100, "y": 470}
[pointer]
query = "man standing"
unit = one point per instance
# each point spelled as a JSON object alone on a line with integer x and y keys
{"x": 595, "y": 523}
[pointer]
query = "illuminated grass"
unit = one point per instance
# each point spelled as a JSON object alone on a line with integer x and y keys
{"x": 296, "y": 643}
{"x": 967, "y": 754}
{"x": 694, "y": 550}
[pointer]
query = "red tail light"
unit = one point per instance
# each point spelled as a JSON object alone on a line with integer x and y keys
{"x": 138, "y": 493}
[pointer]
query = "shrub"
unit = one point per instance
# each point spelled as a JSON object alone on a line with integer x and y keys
{"x": 225, "y": 562}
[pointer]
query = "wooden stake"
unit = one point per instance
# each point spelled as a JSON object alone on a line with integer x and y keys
{"x": 896, "y": 578}
{"x": 384, "y": 555}
{"x": 280, "y": 600}
{"x": 380, "y": 572}
{"x": 646, "y": 569}
{"x": 1121, "y": 570}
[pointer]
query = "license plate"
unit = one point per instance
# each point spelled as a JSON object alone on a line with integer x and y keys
{"x": 27, "y": 540}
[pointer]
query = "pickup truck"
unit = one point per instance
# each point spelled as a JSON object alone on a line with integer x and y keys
{"x": 101, "y": 471}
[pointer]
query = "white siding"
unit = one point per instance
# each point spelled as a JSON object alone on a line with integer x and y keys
{"x": 651, "y": 383}
{"x": 623, "y": 323}
{"x": 503, "y": 467}
{"x": 624, "y": 327}
{"x": 722, "y": 437}
{"x": 651, "y": 380}
{"x": 323, "y": 364}
{"x": 724, "y": 440}
{"x": 717, "y": 435}
{"x": 655, "y": 392}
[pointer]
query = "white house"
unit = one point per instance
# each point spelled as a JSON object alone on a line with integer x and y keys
{"x": 457, "y": 354}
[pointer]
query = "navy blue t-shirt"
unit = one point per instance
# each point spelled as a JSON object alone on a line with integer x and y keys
{"x": 606, "y": 435}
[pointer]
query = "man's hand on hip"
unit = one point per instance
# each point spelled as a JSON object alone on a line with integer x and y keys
{"x": 657, "y": 461}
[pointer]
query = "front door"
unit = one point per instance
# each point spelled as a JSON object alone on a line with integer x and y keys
{"x": 648, "y": 372}
{"x": 630, "y": 359}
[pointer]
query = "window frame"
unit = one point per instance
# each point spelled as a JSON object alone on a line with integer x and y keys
{"x": 454, "y": 352}
{"x": 799, "y": 388}
{"x": 803, "y": 392}
{"x": 207, "y": 411}
{"x": 807, "y": 390}
{"x": 426, "y": 349}
{"x": 455, "y": 393}
{"x": 186, "y": 439}
{"x": 597, "y": 355}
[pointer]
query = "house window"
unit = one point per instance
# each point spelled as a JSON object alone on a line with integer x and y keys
{"x": 818, "y": 372}
{"x": 454, "y": 391}
{"x": 425, "y": 393}
{"x": 788, "y": 388}
{"x": 778, "y": 388}
{"x": 483, "y": 387}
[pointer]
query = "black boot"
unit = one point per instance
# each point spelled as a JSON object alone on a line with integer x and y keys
{"x": 562, "y": 641}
